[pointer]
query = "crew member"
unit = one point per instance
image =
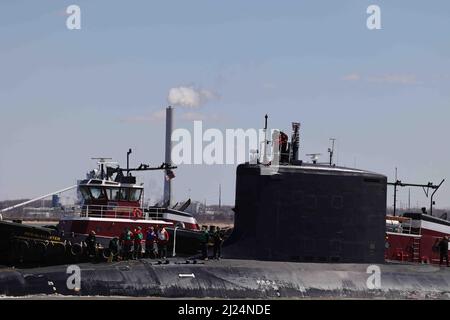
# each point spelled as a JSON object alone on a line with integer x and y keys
{"x": 443, "y": 250}
{"x": 126, "y": 242}
{"x": 151, "y": 245}
{"x": 163, "y": 240}
{"x": 114, "y": 247}
{"x": 204, "y": 242}
{"x": 218, "y": 241}
{"x": 138, "y": 238}
{"x": 91, "y": 244}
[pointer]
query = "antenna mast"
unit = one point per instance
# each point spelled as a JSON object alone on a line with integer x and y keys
{"x": 331, "y": 150}
{"x": 265, "y": 140}
{"x": 128, "y": 160}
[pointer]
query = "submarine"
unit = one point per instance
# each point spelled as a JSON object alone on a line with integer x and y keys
{"x": 302, "y": 230}
{"x": 294, "y": 211}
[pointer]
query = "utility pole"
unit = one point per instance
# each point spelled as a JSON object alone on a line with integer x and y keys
{"x": 395, "y": 191}
{"x": 409, "y": 199}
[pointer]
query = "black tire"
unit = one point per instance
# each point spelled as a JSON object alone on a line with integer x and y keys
{"x": 21, "y": 251}
{"x": 41, "y": 248}
{"x": 59, "y": 248}
{"x": 106, "y": 253}
{"x": 23, "y": 245}
{"x": 76, "y": 250}
{"x": 56, "y": 252}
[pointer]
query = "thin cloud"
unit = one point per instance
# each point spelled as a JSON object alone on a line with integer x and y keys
{"x": 192, "y": 116}
{"x": 156, "y": 116}
{"x": 351, "y": 77}
{"x": 160, "y": 116}
{"x": 406, "y": 79}
{"x": 391, "y": 78}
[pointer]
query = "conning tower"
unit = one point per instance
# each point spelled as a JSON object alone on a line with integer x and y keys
{"x": 297, "y": 211}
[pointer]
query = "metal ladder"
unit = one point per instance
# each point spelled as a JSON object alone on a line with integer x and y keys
{"x": 416, "y": 250}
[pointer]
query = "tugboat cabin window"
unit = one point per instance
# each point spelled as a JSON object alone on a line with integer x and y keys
{"x": 85, "y": 193}
{"x": 116, "y": 194}
{"x": 135, "y": 194}
{"x": 98, "y": 193}
{"x": 124, "y": 193}
{"x": 113, "y": 194}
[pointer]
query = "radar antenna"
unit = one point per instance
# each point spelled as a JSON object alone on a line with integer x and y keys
{"x": 102, "y": 163}
{"x": 314, "y": 157}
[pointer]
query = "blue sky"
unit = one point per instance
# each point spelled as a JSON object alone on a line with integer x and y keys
{"x": 67, "y": 96}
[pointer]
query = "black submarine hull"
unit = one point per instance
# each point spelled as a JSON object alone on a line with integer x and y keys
{"x": 230, "y": 279}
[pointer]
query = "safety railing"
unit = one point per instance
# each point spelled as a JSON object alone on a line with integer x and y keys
{"x": 119, "y": 212}
{"x": 399, "y": 225}
{"x": 154, "y": 213}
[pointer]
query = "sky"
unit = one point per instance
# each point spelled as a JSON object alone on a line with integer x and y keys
{"x": 69, "y": 95}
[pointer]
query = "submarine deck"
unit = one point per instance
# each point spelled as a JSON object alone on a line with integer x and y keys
{"x": 230, "y": 278}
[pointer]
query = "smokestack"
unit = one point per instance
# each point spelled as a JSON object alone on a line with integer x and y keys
{"x": 295, "y": 140}
{"x": 220, "y": 196}
{"x": 168, "y": 157}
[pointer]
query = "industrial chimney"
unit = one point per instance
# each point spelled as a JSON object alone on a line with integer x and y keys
{"x": 168, "y": 157}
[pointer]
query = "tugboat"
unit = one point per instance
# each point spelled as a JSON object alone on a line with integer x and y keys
{"x": 112, "y": 201}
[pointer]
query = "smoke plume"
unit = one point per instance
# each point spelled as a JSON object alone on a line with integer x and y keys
{"x": 189, "y": 97}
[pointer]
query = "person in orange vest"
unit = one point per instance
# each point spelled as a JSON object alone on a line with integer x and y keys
{"x": 163, "y": 240}
{"x": 138, "y": 238}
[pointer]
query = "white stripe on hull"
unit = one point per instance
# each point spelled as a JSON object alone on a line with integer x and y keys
{"x": 435, "y": 227}
{"x": 160, "y": 222}
{"x": 175, "y": 217}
